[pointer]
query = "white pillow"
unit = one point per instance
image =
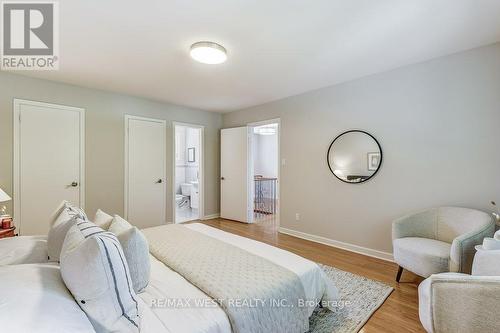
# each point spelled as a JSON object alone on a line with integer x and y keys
{"x": 136, "y": 249}
{"x": 66, "y": 219}
{"x": 102, "y": 219}
{"x": 119, "y": 225}
{"x": 58, "y": 211}
{"x": 35, "y": 299}
{"x": 95, "y": 271}
{"x": 67, "y": 205}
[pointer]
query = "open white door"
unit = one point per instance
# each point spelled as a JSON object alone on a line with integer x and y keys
{"x": 48, "y": 162}
{"x": 145, "y": 171}
{"x": 234, "y": 174}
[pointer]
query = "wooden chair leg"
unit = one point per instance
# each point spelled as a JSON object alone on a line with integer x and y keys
{"x": 400, "y": 271}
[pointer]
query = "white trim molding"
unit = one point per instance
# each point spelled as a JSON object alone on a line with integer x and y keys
{"x": 210, "y": 216}
{"x": 338, "y": 244}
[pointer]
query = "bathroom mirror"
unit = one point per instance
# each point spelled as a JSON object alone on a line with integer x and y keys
{"x": 191, "y": 155}
{"x": 354, "y": 156}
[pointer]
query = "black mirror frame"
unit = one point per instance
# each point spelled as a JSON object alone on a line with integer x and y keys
{"x": 351, "y": 131}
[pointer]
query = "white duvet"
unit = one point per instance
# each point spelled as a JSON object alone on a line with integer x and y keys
{"x": 35, "y": 299}
{"x": 167, "y": 284}
{"x": 23, "y": 250}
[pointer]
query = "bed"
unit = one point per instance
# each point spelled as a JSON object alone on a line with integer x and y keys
{"x": 167, "y": 284}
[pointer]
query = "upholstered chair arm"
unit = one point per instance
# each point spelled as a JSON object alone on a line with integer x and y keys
{"x": 460, "y": 303}
{"x": 421, "y": 224}
{"x": 462, "y": 249}
{"x": 486, "y": 263}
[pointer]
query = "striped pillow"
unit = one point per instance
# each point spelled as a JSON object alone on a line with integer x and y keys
{"x": 77, "y": 211}
{"x": 95, "y": 271}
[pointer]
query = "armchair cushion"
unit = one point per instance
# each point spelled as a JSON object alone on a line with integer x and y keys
{"x": 422, "y": 256}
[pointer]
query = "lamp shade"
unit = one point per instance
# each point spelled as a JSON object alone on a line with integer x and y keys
{"x": 4, "y": 196}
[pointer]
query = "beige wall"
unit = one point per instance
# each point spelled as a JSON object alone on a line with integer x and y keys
{"x": 439, "y": 127}
{"x": 104, "y": 117}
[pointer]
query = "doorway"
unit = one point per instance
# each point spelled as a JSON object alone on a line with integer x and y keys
{"x": 250, "y": 173}
{"x": 264, "y": 172}
{"x": 50, "y": 137}
{"x": 188, "y": 172}
{"x": 145, "y": 171}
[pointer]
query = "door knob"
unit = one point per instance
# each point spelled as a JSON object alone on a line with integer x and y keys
{"x": 222, "y": 178}
{"x": 159, "y": 181}
{"x": 73, "y": 184}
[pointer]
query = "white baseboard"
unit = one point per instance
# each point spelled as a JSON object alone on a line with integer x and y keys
{"x": 341, "y": 245}
{"x": 211, "y": 216}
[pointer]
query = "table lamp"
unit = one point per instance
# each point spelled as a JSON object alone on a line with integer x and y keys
{"x": 3, "y": 198}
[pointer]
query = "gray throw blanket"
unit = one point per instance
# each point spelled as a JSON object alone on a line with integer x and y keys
{"x": 256, "y": 294}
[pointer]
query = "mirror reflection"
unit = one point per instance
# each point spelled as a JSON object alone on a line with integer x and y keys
{"x": 354, "y": 156}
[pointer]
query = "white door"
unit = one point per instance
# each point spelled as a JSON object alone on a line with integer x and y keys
{"x": 48, "y": 162}
{"x": 145, "y": 180}
{"x": 234, "y": 174}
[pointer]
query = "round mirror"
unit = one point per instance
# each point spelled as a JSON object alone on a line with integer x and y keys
{"x": 354, "y": 156}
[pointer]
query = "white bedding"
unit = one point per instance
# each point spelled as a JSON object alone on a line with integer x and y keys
{"x": 314, "y": 280}
{"x": 23, "y": 250}
{"x": 35, "y": 299}
{"x": 166, "y": 284}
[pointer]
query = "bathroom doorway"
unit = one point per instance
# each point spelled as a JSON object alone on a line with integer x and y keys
{"x": 188, "y": 172}
{"x": 264, "y": 171}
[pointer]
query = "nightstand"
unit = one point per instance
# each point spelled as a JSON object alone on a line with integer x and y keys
{"x": 4, "y": 233}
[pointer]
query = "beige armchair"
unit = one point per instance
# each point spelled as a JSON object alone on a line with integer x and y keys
{"x": 439, "y": 240}
{"x": 454, "y": 302}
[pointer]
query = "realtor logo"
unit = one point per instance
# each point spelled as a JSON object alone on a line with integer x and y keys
{"x": 30, "y": 36}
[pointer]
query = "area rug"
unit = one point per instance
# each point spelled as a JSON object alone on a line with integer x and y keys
{"x": 360, "y": 297}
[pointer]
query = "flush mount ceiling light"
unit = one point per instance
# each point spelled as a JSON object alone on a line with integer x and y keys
{"x": 208, "y": 53}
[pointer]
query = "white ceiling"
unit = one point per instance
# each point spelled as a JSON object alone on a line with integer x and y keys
{"x": 276, "y": 48}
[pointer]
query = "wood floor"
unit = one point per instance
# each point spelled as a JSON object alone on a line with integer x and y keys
{"x": 398, "y": 314}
